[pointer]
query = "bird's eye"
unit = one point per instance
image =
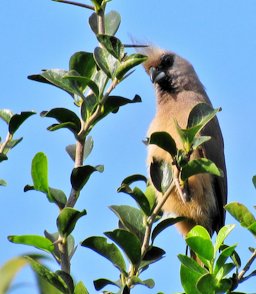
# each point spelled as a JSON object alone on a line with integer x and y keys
{"x": 167, "y": 60}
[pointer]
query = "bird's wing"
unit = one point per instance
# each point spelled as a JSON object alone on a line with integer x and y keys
{"x": 214, "y": 150}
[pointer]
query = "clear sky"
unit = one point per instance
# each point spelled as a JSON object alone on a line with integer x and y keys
{"x": 217, "y": 37}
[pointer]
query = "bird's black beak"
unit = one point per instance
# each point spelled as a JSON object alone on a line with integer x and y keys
{"x": 155, "y": 74}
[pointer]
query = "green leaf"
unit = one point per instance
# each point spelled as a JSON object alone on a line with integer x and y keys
{"x": 6, "y": 115}
{"x": 17, "y": 120}
{"x": 207, "y": 284}
{"x": 112, "y": 23}
{"x": 222, "y": 235}
{"x": 189, "y": 280}
{"x": 88, "y": 146}
{"x": 129, "y": 63}
{"x": 227, "y": 268}
{"x": 39, "y": 172}
{"x": 128, "y": 242}
{"x": 66, "y": 125}
{"x": 138, "y": 196}
{"x": 53, "y": 195}
{"x": 3, "y": 183}
{"x": 113, "y": 103}
{"x": 198, "y": 141}
{"x": 88, "y": 107}
{"x": 80, "y": 175}
{"x": 54, "y": 237}
{"x": 152, "y": 255}
{"x": 148, "y": 283}
{"x": 109, "y": 251}
{"x": 161, "y": 175}
{"x": 67, "y": 220}
{"x": 71, "y": 151}
{"x": 80, "y": 288}
{"x": 99, "y": 4}
{"x": 101, "y": 80}
{"x": 163, "y": 225}
{"x": 65, "y": 117}
{"x": 57, "y": 78}
{"x": 200, "y": 115}
{"x": 254, "y": 181}
{"x": 235, "y": 257}
{"x": 45, "y": 287}
{"x": 105, "y": 61}
{"x": 113, "y": 45}
{"x": 199, "y": 240}
{"x": 134, "y": 178}
{"x": 224, "y": 285}
{"x": 11, "y": 144}
{"x": 131, "y": 219}
{"x": 164, "y": 141}
{"x": 150, "y": 193}
{"x": 198, "y": 166}
{"x": 83, "y": 63}
{"x": 192, "y": 265}
{"x": 83, "y": 82}
{"x": 49, "y": 276}
{"x": 58, "y": 197}
{"x": 3, "y": 157}
{"x": 241, "y": 214}
{"x": 67, "y": 279}
{"x": 33, "y": 240}
{"x": 224, "y": 255}
{"x": 9, "y": 270}
{"x": 252, "y": 228}
{"x": 101, "y": 283}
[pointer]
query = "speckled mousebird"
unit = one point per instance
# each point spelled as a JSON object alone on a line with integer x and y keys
{"x": 178, "y": 89}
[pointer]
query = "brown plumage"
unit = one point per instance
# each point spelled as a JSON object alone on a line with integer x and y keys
{"x": 178, "y": 89}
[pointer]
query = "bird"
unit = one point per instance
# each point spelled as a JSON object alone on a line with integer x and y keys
{"x": 178, "y": 89}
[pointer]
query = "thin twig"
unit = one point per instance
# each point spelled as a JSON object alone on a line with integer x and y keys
{"x": 247, "y": 267}
{"x": 178, "y": 187}
{"x": 5, "y": 143}
{"x": 64, "y": 258}
{"x": 79, "y": 159}
{"x": 76, "y": 4}
{"x": 101, "y": 21}
{"x": 152, "y": 218}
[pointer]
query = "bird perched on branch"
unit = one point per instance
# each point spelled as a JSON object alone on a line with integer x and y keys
{"x": 178, "y": 89}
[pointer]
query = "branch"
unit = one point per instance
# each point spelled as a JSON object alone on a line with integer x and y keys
{"x": 64, "y": 258}
{"x": 153, "y": 216}
{"x": 101, "y": 22}
{"x": 79, "y": 158}
{"x": 241, "y": 277}
{"x": 76, "y": 4}
{"x": 97, "y": 112}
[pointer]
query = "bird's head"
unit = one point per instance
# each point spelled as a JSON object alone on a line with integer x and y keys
{"x": 169, "y": 72}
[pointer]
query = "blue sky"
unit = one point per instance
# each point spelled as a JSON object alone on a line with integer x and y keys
{"x": 217, "y": 37}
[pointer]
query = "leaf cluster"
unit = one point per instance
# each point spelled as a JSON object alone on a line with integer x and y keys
{"x": 13, "y": 122}
{"x": 221, "y": 265}
{"x": 162, "y": 173}
{"x": 127, "y": 252}
{"x": 90, "y": 80}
